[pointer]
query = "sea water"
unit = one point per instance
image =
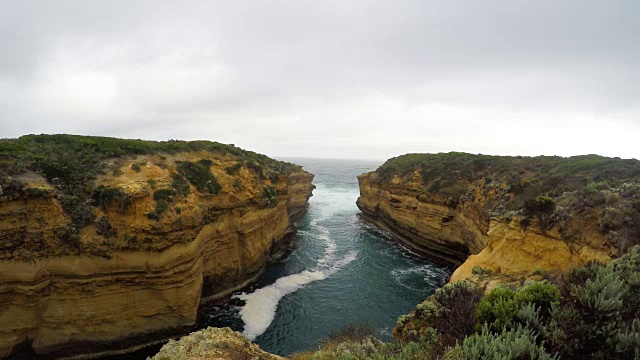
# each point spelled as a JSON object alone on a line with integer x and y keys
{"x": 343, "y": 271}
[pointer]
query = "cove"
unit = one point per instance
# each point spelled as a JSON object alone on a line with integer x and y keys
{"x": 344, "y": 270}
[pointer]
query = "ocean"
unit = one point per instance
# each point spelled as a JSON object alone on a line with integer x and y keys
{"x": 343, "y": 271}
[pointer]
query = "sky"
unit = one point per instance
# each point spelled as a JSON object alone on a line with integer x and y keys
{"x": 329, "y": 79}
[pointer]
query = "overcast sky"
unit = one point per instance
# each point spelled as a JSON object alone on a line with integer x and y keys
{"x": 337, "y": 79}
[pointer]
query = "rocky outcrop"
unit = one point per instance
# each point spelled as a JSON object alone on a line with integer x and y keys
{"x": 138, "y": 274}
{"x": 495, "y": 227}
{"x": 487, "y": 249}
{"x": 213, "y": 344}
{"x": 420, "y": 220}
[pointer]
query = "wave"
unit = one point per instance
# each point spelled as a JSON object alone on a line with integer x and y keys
{"x": 431, "y": 275}
{"x": 261, "y": 305}
{"x": 260, "y": 308}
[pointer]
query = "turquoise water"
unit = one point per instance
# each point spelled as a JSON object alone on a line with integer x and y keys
{"x": 343, "y": 271}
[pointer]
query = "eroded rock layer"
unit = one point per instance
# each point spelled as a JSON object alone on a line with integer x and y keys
{"x": 505, "y": 219}
{"x": 138, "y": 274}
{"x": 421, "y": 221}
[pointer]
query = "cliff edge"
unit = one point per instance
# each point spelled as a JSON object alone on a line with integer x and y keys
{"x": 505, "y": 219}
{"x": 107, "y": 245}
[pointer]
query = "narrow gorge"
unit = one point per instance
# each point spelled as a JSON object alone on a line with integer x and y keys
{"x": 115, "y": 245}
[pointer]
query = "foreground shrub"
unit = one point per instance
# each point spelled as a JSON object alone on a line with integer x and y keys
{"x": 540, "y": 294}
{"x": 497, "y": 309}
{"x": 598, "y": 315}
{"x": 518, "y": 343}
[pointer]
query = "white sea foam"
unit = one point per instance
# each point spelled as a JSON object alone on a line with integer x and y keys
{"x": 261, "y": 305}
{"x": 430, "y": 274}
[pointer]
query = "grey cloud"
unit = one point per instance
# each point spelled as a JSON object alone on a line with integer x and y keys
{"x": 347, "y": 74}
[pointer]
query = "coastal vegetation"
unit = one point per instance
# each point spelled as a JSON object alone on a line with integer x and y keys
{"x": 71, "y": 163}
{"x": 591, "y": 312}
{"x": 550, "y": 189}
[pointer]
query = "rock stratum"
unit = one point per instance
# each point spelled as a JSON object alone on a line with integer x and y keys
{"x": 506, "y": 219}
{"x": 108, "y": 245}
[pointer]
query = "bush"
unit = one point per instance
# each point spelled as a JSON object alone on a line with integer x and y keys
{"x": 270, "y": 195}
{"x": 199, "y": 176}
{"x": 103, "y": 196}
{"x": 456, "y": 317}
{"x": 233, "y": 169}
{"x": 163, "y": 194}
{"x": 179, "y": 184}
{"x": 517, "y": 343}
{"x": 237, "y": 184}
{"x": 497, "y": 309}
{"x": 597, "y": 316}
{"x": 205, "y": 162}
{"x": 541, "y": 294}
{"x": 103, "y": 226}
{"x": 479, "y": 270}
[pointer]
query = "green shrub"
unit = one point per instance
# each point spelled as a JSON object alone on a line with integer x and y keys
{"x": 541, "y": 294}
{"x": 497, "y": 309}
{"x": 103, "y": 226}
{"x": 350, "y": 332}
{"x": 257, "y": 168}
{"x": 270, "y": 195}
{"x": 163, "y": 194}
{"x": 456, "y": 317}
{"x": 161, "y": 207}
{"x": 79, "y": 210}
{"x": 152, "y": 183}
{"x": 38, "y": 193}
{"x": 517, "y": 343}
{"x": 597, "y": 315}
{"x": 136, "y": 167}
{"x": 199, "y": 176}
{"x": 179, "y": 184}
{"x": 205, "y": 162}
{"x": 103, "y": 196}
{"x": 479, "y": 270}
{"x": 233, "y": 169}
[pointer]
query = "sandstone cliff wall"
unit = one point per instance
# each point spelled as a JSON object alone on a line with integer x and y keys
{"x": 136, "y": 280}
{"x": 467, "y": 237}
{"x": 425, "y": 224}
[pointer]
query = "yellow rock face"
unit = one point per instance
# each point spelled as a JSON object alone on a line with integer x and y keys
{"x": 145, "y": 281}
{"x": 518, "y": 254}
{"x": 426, "y": 225}
{"x": 464, "y": 236}
{"x": 500, "y": 251}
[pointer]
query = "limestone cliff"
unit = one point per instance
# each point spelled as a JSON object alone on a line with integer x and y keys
{"x": 160, "y": 243}
{"x": 504, "y": 219}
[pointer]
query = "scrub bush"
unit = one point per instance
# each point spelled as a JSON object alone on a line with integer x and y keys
{"x": 519, "y": 343}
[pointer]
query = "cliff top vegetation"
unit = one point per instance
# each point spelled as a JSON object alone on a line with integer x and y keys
{"x": 552, "y": 189}
{"x": 63, "y": 155}
{"x": 67, "y": 166}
